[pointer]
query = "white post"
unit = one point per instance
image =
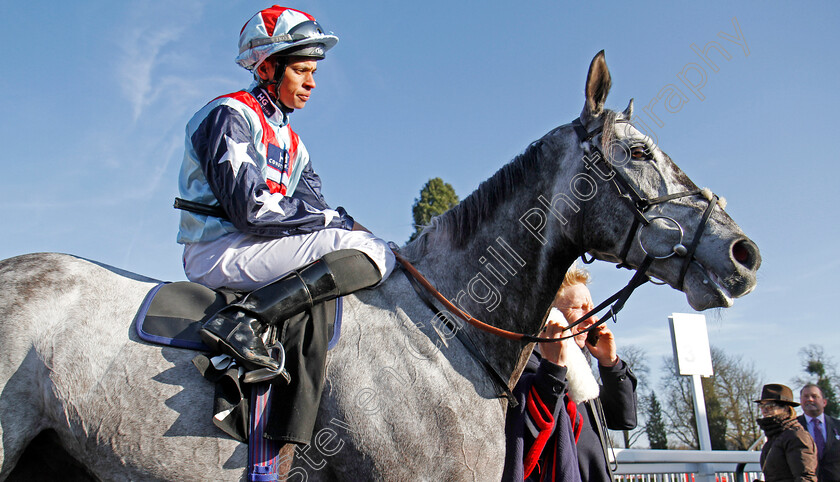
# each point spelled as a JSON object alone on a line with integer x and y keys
{"x": 700, "y": 414}
{"x": 690, "y": 340}
{"x": 705, "y": 472}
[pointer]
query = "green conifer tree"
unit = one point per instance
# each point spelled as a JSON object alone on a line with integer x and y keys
{"x": 436, "y": 197}
{"x": 655, "y": 426}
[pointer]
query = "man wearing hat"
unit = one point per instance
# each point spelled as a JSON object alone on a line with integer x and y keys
{"x": 789, "y": 453}
{"x": 824, "y": 429}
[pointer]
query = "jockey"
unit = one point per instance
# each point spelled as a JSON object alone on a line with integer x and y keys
{"x": 274, "y": 235}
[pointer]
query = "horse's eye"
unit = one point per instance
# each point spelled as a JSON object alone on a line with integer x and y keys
{"x": 640, "y": 152}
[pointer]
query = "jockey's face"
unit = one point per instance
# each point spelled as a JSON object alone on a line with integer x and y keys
{"x": 298, "y": 83}
{"x": 298, "y": 80}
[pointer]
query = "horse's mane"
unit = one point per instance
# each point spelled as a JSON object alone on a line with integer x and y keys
{"x": 461, "y": 222}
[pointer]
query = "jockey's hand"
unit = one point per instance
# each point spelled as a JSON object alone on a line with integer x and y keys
{"x": 604, "y": 351}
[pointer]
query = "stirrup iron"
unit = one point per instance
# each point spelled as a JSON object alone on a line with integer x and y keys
{"x": 265, "y": 374}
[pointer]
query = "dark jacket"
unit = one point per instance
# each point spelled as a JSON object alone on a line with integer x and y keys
{"x": 618, "y": 398}
{"x": 829, "y": 463}
{"x": 619, "y": 401}
{"x": 540, "y": 444}
{"x": 789, "y": 455}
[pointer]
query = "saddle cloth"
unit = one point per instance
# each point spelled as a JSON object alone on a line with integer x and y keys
{"x": 172, "y": 314}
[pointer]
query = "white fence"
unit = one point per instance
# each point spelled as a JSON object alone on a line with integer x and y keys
{"x": 685, "y": 465}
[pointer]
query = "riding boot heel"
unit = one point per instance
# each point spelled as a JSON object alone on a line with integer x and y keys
{"x": 231, "y": 331}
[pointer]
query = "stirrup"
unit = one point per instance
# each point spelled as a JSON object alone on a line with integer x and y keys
{"x": 265, "y": 374}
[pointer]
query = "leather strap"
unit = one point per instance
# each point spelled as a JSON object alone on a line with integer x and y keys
{"x": 619, "y": 298}
{"x": 465, "y": 340}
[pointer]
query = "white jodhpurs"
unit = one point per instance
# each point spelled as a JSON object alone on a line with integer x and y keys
{"x": 245, "y": 262}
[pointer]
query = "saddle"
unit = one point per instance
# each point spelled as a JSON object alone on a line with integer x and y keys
{"x": 172, "y": 314}
{"x": 263, "y": 415}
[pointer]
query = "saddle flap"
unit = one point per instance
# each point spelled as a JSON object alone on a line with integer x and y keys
{"x": 174, "y": 312}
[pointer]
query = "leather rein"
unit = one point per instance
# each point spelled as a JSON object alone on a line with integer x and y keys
{"x": 638, "y": 205}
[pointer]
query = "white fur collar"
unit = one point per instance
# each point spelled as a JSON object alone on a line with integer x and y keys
{"x": 582, "y": 384}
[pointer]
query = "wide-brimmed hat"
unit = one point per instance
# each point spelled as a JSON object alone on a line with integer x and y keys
{"x": 777, "y": 393}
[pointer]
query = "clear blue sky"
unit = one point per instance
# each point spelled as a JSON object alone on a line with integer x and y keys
{"x": 98, "y": 93}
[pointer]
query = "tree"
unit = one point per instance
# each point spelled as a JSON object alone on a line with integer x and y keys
{"x": 655, "y": 426}
{"x": 714, "y": 414}
{"x": 820, "y": 366}
{"x": 679, "y": 403}
{"x": 636, "y": 358}
{"x": 436, "y": 197}
{"x": 737, "y": 382}
{"x": 729, "y": 398}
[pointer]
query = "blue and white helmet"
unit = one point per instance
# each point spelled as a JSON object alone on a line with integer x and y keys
{"x": 279, "y": 29}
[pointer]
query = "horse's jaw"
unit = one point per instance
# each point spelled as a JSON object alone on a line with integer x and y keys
{"x": 706, "y": 287}
{"x": 703, "y": 289}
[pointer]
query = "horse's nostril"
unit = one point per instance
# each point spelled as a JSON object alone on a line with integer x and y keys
{"x": 744, "y": 253}
{"x": 740, "y": 253}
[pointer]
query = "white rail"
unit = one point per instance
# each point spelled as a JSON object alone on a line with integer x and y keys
{"x": 685, "y": 465}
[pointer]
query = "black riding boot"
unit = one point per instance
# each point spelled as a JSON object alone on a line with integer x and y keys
{"x": 233, "y": 330}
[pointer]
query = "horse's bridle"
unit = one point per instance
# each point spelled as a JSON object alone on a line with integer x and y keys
{"x": 639, "y": 205}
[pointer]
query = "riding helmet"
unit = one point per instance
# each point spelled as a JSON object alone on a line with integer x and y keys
{"x": 282, "y": 30}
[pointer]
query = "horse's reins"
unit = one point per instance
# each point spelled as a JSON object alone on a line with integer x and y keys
{"x": 639, "y": 206}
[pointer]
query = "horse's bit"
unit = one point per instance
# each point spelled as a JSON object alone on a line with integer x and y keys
{"x": 639, "y": 206}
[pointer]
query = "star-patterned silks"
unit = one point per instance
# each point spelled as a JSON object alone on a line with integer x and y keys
{"x": 270, "y": 203}
{"x": 236, "y": 155}
{"x": 329, "y": 215}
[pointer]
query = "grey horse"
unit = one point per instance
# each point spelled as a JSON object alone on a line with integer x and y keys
{"x": 404, "y": 399}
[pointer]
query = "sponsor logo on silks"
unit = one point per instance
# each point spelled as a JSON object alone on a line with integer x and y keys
{"x": 277, "y": 158}
{"x": 277, "y": 178}
{"x": 265, "y": 101}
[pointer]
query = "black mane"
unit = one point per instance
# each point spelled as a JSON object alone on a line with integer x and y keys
{"x": 461, "y": 222}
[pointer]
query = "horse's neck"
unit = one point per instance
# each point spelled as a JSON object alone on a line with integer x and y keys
{"x": 509, "y": 286}
{"x": 502, "y": 274}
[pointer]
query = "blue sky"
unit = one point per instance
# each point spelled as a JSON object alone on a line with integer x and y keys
{"x": 98, "y": 93}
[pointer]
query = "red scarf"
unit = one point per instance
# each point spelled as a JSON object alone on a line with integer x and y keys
{"x": 575, "y": 417}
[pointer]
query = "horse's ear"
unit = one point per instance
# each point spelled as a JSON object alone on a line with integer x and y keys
{"x": 598, "y": 84}
{"x": 628, "y": 112}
